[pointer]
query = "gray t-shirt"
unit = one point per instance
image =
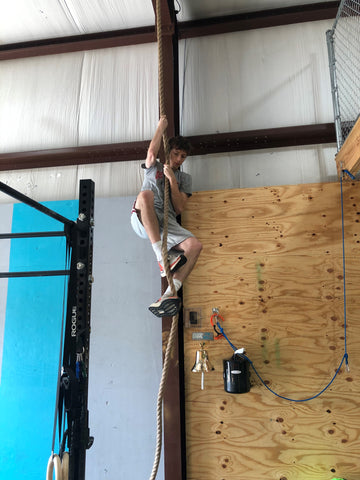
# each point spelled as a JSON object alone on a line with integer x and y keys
{"x": 154, "y": 180}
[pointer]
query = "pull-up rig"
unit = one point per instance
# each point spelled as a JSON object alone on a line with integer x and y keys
{"x": 72, "y": 389}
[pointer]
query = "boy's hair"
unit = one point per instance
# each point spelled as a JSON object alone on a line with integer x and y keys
{"x": 180, "y": 143}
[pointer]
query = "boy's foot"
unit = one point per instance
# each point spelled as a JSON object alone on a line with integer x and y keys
{"x": 176, "y": 261}
{"x": 166, "y": 306}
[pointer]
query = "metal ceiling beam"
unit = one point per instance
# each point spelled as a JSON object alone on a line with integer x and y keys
{"x": 262, "y": 19}
{"x": 191, "y": 29}
{"x": 267, "y": 138}
{"x": 115, "y": 152}
{"x": 323, "y": 133}
{"x": 78, "y": 43}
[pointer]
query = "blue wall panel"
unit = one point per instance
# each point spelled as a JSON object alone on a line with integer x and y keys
{"x": 31, "y": 345}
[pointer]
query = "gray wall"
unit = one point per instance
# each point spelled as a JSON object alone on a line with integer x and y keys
{"x": 125, "y": 351}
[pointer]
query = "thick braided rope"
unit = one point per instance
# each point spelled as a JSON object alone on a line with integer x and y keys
{"x": 164, "y": 249}
{"x": 169, "y": 347}
{"x": 175, "y": 319}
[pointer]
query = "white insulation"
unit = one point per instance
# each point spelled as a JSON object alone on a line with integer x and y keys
{"x": 272, "y": 77}
{"x": 25, "y": 20}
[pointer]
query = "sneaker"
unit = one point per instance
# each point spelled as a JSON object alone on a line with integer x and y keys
{"x": 175, "y": 261}
{"x": 166, "y": 306}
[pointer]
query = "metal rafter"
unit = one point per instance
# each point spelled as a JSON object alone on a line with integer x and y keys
{"x": 261, "y": 19}
{"x": 202, "y": 145}
{"x": 190, "y": 29}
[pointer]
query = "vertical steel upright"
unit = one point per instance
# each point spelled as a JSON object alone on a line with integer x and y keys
{"x": 75, "y": 368}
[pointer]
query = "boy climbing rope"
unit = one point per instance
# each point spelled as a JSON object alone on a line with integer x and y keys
{"x": 148, "y": 214}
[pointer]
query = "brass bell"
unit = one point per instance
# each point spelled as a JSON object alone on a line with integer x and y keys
{"x": 202, "y": 363}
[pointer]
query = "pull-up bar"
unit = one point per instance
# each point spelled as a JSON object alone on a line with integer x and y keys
{"x": 47, "y": 211}
{"x": 31, "y": 235}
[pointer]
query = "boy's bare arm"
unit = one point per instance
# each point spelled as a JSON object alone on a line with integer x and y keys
{"x": 178, "y": 199}
{"x": 156, "y": 142}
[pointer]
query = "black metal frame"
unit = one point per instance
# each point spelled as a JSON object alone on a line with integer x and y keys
{"x": 73, "y": 389}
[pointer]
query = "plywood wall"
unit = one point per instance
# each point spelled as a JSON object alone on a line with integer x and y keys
{"x": 273, "y": 265}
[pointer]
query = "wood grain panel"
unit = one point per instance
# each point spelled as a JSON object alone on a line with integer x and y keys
{"x": 273, "y": 264}
{"x": 348, "y": 158}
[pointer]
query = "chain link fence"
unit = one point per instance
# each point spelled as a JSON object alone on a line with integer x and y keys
{"x": 343, "y": 42}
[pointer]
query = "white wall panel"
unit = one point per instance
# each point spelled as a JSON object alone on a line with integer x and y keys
{"x": 118, "y": 97}
{"x": 271, "y": 77}
{"x": 39, "y": 102}
{"x": 111, "y": 179}
{"x": 24, "y": 20}
{"x": 100, "y": 96}
{"x": 259, "y": 168}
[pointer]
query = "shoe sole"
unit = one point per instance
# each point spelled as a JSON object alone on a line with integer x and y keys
{"x": 166, "y": 308}
{"x": 181, "y": 261}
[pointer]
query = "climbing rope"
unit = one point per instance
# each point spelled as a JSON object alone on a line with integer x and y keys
{"x": 170, "y": 343}
{"x": 164, "y": 251}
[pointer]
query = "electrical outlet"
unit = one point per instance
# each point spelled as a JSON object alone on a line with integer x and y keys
{"x": 192, "y": 317}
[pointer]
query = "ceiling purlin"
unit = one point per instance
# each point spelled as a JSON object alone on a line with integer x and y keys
{"x": 262, "y": 19}
{"x": 202, "y": 145}
{"x": 191, "y": 29}
{"x": 78, "y": 43}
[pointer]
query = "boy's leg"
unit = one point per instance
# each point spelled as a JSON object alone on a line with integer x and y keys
{"x": 192, "y": 248}
{"x": 168, "y": 304}
{"x": 144, "y": 207}
{"x": 146, "y": 212}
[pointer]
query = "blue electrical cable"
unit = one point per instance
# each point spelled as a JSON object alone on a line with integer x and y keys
{"x": 272, "y": 391}
{"x": 343, "y": 256}
{"x": 345, "y": 356}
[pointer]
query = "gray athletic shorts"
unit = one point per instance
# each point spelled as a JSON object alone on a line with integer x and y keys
{"x": 176, "y": 233}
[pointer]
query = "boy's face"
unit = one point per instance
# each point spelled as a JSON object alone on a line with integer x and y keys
{"x": 177, "y": 158}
